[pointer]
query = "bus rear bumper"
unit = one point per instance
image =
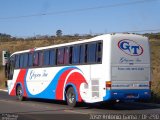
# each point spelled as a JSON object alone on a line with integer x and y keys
{"x": 127, "y": 94}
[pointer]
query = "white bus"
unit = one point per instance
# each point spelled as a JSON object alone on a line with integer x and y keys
{"x": 105, "y": 68}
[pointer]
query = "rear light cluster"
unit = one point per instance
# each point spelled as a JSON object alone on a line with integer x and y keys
{"x": 108, "y": 84}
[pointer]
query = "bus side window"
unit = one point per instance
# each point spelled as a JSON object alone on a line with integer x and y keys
{"x": 21, "y": 60}
{"x": 52, "y": 58}
{"x": 70, "y": 54}
{"x": 35, "y": 59}
{"x": 82, "y": 54}
{"x": 75, "y": 54}
{"x": 99, "y": 52}
{"x": 25, "y": 64}
{"x": 66, "y": 56}
{"x": 46, "y": 57}
{"x": 91, "y": 53}
{"x": 40, "y": 60}
{"x": 30, "y": 60}
{"x": 60, "y": 56}
{"x": 17, "y": 62}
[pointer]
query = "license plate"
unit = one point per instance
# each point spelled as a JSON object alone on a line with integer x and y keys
{"x": 130, "y": 96}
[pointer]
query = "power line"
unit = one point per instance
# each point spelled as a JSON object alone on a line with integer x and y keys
{"x": 77, "y": 10}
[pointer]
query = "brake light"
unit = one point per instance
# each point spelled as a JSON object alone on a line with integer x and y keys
{"x": 108, "y": 84}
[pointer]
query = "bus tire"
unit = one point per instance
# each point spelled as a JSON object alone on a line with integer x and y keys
{"x": 71, "y": 97}
{"x": 19, "y": 93}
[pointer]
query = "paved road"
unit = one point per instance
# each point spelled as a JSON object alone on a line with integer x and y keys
{"x": 37, "y": 109}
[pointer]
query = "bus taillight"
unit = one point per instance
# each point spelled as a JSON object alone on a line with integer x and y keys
{"x": 108, "y": 84}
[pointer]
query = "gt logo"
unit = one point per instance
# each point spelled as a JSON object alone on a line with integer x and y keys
{"x": 130, "y": 47}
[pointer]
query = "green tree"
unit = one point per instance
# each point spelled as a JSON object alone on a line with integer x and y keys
{"x": 59, "y": 33}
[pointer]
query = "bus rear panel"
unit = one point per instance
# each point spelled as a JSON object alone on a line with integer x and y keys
{"x": 130, "y": 68}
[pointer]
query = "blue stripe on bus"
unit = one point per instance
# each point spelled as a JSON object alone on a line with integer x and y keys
{"x": 127, "y": 94}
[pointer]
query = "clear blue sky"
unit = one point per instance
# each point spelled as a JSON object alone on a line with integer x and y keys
{"x": 118, "y": 18}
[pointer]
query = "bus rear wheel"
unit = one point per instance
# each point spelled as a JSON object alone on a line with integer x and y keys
{"x": 71, "y": 97}
{"x": 19, "y": 93}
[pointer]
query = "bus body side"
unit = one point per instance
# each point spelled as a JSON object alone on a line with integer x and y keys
{"x": 130, "y": 68}
{"x": 52, "y": 82}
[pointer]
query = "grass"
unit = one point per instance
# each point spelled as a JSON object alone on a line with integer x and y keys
{"x": 155, "y": 61}
{"x": 27, "y": 44}
{"x": 2, "y": 78}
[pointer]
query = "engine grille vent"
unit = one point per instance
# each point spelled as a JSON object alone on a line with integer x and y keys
{"x": 95, "y": 88}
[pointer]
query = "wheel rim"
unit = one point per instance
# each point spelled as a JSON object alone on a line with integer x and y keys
{"x": 19, "y": 93}
{"x": 71, "y": 97}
